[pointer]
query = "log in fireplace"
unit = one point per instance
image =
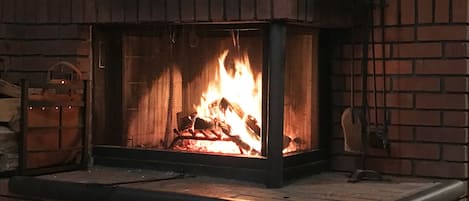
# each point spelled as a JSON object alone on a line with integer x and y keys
{"x": 241, "y": 99}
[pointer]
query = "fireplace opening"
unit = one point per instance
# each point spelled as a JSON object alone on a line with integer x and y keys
{"x": 185, "y": 92}
{"x": 194, "y": 91}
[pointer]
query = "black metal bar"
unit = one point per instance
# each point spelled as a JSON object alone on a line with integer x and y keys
{"x": 22, "y": 139}
{"x": 178, "y": 157}
{"x": 276, "y": 73}
{"x": 265, "y": 84}
{"x": 61, "y": 109}
{"x": 86, "y": 155}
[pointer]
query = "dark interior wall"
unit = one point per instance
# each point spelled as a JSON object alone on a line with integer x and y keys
{"x": 427, "y": 83}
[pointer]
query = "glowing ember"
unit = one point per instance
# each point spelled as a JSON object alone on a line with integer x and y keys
{"x": 237, "y": 95}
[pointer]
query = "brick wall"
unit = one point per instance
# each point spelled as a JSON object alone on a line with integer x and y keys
{"x": 426, "y": 58}
{"x": 28, "y": 50}
{"x": 426, "y": 44}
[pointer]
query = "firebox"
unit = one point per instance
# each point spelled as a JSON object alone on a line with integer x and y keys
{"x": 232, "y": 100}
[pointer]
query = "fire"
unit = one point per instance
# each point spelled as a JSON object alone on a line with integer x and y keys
{"x": 237, "y": 94}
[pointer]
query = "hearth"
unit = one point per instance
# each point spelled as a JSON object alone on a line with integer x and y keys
{"x": 233, "y": 100}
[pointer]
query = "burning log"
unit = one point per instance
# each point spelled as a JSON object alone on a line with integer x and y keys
{"x": 184, "y": 122}
{"x": 250, "y": 121}
{"x": 210, "y": 130}
{"x": 202, "y": 124}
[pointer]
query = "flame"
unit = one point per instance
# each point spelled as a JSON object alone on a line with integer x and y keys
{"x": 239, "y": 86}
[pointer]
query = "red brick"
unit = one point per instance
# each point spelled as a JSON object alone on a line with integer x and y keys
{"x": 350, "y": 51}
{"x": 408, "y": 12}
{"x": 391, "y": 13}
{"x": 401, "y": 133}
{"x": 415, "y": 150}
{"x": 19, "y": 11}
{"x": 118, "y": 10}
{"x": 337, "y": 83}
{"x": 341, "y": 99}
{"x": 416, "y": 84}
{"x": 90, "y": 11}
{"x": 441, "y": 11}
{"x": 415, "y": 117}
{"x": 441, "y": 169}
{"x": 379, "y": 83}
{"x": 425, "y": 11}
{"x": 37, "y": 63}
{"x": 397, "y": 100}
{"x": 72, "y": 31}
{"x": 201, "y": 10}
{"x": 187, "y": 10}
{"x": 392, "y": 67}
{"x": 456, "y": 118}
{"x": 144, "y": 10}
{"x": 456, "y": 84}
{"x": 13, "y": 47}
{"x": 30, "y": 11}
{"x": 460, "y": 11}
{"x": 437, "y": 33}
{"x": 83, "y": 63}
{"x": 441, "y": 101}
{"x": 337, "y": 146}
{"x": 16, "y": 77}
{"x": 41, "y": 31}
{"x": 53, "y": 11}
{"x": 104, "y": 10}
{"x": 380, "y": 116}
{"x": 336, "y": 114}
{"x": 301, "y": 10}
{"x": 232, "y": 10}
{"x": 310, "y": 14}
{"x": 441, "y": 67}
{"x": 65, "y": 11}
{"x": 399, "y": 34}
{"x": 248, "y": 11}
{"x": 417, "y": 50}
{"x": 441, "y": 135}
{"x": 456, "y": 153}
{"x": 344, "y": 163}
{"x": 16, "y": 63}
{"x": 216, "y": 10}
{"x": 457, "y": 50}
{"x": 337, "y": 131}
{"x": 9, "y": 14}
{"x": 77, "y": 11}
{"x": 131, "y": 8}
{"x": 390, "y": 166}
{"x": 379, "y": 51}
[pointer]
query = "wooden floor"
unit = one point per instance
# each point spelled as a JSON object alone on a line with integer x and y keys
{"x": 330, "y": 186}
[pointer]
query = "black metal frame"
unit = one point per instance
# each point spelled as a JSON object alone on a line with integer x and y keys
{"x": 274, "y": 169}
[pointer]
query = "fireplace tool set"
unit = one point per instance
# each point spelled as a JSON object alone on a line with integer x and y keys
{"x": 359, "y": 133}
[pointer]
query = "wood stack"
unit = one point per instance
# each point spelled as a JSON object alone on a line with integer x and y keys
{"x": 9, "y": 113}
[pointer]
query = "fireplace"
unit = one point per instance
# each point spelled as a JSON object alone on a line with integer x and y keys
{"x": 233, "y": 100}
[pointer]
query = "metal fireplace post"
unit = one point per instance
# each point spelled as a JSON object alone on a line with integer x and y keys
{"x": 276, "y": 83}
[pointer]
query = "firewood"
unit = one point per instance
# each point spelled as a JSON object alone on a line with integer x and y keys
{"x": 184, "y": 122}
{"x": 286, "y": 141}
{"x": 201, "y": 124}
{"x": 9, "y": 89}
{"x": 250, "y": 121}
